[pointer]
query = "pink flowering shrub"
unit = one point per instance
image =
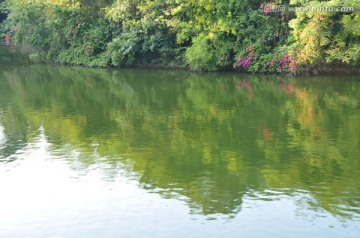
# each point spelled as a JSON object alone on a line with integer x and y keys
{"x": 279, "y": 64}
{"x": 274, "y": 62}
{"x": 245, "y": 61}
{"x": 268, "y": 7}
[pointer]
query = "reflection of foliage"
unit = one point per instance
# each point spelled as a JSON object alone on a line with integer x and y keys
{"x": 209, "y": 138}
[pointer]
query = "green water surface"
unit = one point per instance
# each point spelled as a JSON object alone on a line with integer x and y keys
{"x": 162, "y": 153}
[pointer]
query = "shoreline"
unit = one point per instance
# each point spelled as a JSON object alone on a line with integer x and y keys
{"x": 335, "y": 69}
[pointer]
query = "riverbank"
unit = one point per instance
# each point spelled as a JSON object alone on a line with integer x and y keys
{"x": 331, "y": 69}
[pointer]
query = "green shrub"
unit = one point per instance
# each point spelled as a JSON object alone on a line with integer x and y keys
{"x": 199, "y": 55}
{"x": 122, "y": 50}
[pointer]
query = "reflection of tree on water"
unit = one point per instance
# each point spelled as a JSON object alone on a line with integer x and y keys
{"x": 210, "y": 138}
{"x": 12, "y": 120}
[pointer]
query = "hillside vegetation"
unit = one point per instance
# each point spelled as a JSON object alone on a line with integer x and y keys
{"x": 246, "y": 35}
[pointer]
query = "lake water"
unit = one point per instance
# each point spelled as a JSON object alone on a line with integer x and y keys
{"x": 156, "y": 153}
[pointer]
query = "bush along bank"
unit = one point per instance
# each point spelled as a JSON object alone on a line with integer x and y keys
{"x": 290, "y": 36}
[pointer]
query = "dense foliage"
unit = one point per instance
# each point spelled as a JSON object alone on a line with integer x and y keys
{"x": 202, "y": 34}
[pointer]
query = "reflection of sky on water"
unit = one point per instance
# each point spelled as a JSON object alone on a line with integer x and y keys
{"x": 2, "y": 135}
{"x": 41, "y": 196}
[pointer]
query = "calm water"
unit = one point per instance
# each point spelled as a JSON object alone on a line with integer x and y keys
{"x": 153, "y": 153}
